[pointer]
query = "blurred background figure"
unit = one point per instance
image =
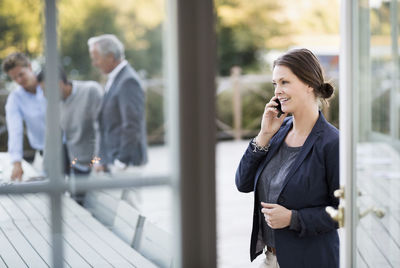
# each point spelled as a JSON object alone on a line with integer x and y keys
{"x": 25, "y": 105}
{"x": 122, "y": 114}
{"x": 78, "y": 111}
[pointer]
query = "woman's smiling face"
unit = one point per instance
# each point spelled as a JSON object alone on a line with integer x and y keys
{"x": 290, "y": 90}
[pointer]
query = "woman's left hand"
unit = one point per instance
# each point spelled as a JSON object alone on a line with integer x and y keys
{"x": 276, "y": 216}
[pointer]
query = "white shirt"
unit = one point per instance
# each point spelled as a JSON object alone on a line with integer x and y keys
{"x": 23, "y": 106}
{"x": 113, "y": 74}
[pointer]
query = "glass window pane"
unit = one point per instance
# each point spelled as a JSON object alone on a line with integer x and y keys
{"x": 381, "y": 66}
{"x": 112, "y": 112}
{"x": 377, "y": 165}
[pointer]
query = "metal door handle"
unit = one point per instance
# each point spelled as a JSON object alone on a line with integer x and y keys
{"x": 377, "y": 211}
{"x": 336, "y": 214}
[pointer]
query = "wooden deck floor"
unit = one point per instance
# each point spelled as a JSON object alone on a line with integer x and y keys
{"x": 378, "y": 179}
{"x": 25, "y": 233}
{"x": 26, "y": 241}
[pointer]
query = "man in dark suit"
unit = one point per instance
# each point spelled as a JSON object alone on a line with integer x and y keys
{"x": 122, "y": 113}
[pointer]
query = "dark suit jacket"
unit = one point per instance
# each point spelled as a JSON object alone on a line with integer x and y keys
{"x": 308, "y": 188}
{"x": 122, "y": 122}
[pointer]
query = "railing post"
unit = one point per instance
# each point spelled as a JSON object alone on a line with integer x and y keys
{"x": 236, "y": 102}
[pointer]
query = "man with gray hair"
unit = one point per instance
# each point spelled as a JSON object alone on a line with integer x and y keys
{"x": 122, "y": 114}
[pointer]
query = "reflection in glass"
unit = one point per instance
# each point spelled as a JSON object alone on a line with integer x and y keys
{"x": 378, "y": 156}
{"x": 122, "y": 227}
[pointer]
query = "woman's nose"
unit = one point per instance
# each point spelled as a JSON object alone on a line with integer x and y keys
{"x": 278, "y": 90}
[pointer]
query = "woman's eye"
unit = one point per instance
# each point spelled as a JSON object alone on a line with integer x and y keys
{"x": 274, "y": 84}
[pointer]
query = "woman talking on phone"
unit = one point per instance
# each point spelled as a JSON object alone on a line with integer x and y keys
{"x": 293, "y": 168}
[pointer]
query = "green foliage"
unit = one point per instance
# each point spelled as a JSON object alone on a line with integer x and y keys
{"x": 229, "y": 55}
{"x": 149, "y": 58}
{"x": 380, "y": 19}
{"x": 334, "y": 109}
{"x": 244, "y": 29}
{"x": 20, "y": 27}
{"x": 155, "y": 117}
{"x": 74, "y": 48}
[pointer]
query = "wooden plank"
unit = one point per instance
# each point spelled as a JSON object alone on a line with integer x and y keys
{"x": 368, "y": 251}
{"x": 12, "y": 209}
{"x": 383, "y": 236}
{"x": 127, "y": 220}
{"x": 24, "y": 248}
{"x": 66, "y": 213}
{"x": 155, "y": 245}
{"x": 8, "y": 253}
{"x": 116, "y": 243}
{"x": 361, "y": 261}
{"x": 40, "y": 205}
{"x": 71, "y": 256}
{"x": 80, "y": 245}
{"x": 105, "y": 234}
{"x": 41, "y": 246}
{"x": 74, "y": 208}
{"x": 102, "y": 206}
{"x": 4, "y": 216}
{"x": 2, "y": 262}
{"x": 100, "y": 246}
{"x": 26, "y": 207}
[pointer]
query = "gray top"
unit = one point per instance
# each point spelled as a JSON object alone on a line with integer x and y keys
{"x": 78, "y": 120}
{"x": 270, "y": 184}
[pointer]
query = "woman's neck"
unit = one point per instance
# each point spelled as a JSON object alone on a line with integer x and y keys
{"x": 304, "y": 121}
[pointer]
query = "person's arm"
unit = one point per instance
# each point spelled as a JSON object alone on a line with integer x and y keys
{"x": 248, "y": 165}
{"x": 17, "y": 171}
{"x": 247, "y": 168}
{"x": 131, "y": 99}
{"x": 96, "y": 98}
{"x": 95, "y": 106}
{"x": 15, "y": 136}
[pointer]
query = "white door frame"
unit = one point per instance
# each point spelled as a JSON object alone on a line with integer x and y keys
{"x": 347, "y": 62}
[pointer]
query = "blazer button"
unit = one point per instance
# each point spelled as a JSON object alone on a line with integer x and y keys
{"x": 281, "y": 200}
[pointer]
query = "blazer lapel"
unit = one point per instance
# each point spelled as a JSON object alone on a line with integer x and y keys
{"x": 116, "y": 80}
{"x": 111, "y": 89}
{"x": 308, "y": 144}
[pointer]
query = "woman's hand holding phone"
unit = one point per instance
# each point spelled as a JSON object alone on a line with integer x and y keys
{"x": 270, "y": 122}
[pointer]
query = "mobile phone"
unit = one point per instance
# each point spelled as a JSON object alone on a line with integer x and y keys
{"x": 279, "y": 108}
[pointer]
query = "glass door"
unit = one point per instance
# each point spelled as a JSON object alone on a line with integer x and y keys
{"x": 370, "y": 151}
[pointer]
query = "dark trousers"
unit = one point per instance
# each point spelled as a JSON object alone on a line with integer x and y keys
{"x": 74, "y": 173}
{"x": 30, "y": 156}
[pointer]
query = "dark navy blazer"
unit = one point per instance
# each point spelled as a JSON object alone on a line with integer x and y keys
{"x": 308, "y": 188}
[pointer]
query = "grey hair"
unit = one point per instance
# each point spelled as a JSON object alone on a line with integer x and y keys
{"x": 108, "y": 44}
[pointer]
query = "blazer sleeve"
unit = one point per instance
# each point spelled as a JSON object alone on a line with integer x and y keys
{"x": 315, "y": 220}
{"x": 247, "y": 169}
{"x": 131, "y": 104}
